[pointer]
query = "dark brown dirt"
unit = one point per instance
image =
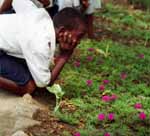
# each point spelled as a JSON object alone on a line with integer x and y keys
{"x": 50, "y": 125}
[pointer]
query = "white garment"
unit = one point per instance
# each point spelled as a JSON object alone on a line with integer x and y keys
{"x": 68, "y": 3}
{"x": 36, "y": 2}
{"x": 29, "y": 34}
{"x": 91, "y": 8}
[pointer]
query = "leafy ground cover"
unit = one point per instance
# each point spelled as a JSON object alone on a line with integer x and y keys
{"x": 107, "y": 81}
{"x": 131, "y": 26}
{"x": 108, "y": 85}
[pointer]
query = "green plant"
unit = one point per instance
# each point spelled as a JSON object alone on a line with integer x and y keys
{"x": 124, "y": 66}
{"x": 57, "y": 91}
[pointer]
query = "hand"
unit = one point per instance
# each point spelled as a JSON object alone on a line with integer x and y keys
{"x": 67, "y": 41}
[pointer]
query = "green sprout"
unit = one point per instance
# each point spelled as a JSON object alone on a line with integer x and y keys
{"x": 105, "y": 53}
{"x": 57, "y": 91}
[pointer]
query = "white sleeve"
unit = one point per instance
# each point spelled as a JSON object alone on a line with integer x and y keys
{"x": 38, "y": 64}
{"x": 23, "y": 6}
{"x": 37, "y": 54}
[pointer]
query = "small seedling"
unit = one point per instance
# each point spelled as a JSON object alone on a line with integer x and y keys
{"x": 56, "y": 89}
{"x": 105, "y": 53}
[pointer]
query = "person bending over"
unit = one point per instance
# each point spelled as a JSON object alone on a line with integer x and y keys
{"x": 27, "y": 45}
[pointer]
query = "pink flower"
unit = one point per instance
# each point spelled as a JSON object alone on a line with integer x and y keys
{"x": 77, "y": 63}
{"x": 89, "y": 83}
{"x": 138, "y": 106}
{"x": 105, "y": 81}
{"x": 106, "y": 134}
{"x": 113, "y": 97}
{"x": 90, "y": 49}
{"x": 142, "y": 116}
{"x": 89, "y": 58}
{"x": 111, "y": 116}
{"x": 101, "y": 116}
{"x": 77, "y": 134}
{"x": 123, "y": 76}
{"x": 106, "y": 98}
{"x": 101, "y": 87}
{"x": 141, "y": 56}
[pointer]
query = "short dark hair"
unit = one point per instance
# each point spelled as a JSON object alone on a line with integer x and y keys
{"x": 69, "y": 18}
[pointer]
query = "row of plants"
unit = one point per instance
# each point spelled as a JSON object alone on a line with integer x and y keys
{"x": 107, "y": 90}
{"x": 107, "y": 87}
{"x": 126, "y": 22}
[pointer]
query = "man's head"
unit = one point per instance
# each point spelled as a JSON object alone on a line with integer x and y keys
{"x": 69, "y": 24}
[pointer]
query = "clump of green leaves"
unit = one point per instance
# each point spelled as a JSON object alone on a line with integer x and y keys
{"x": 57, "y": 91}
{"x": 105, "y": 53}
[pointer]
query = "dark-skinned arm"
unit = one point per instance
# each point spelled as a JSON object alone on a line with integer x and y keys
{"x": 61, "y": 60}
{"x": 6, "y": 5}
{"x": 67, "y": 44}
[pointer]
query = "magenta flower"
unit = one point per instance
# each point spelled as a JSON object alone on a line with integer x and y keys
{"x": 101, "y": 87}
{"x": 101, "y": 116}
{"x": 77, "y": 63}
{"x": 141, "y": 56}
{"x": 123, "y": 76}
{"x": 89, "y": 83}
{"x": 90, "y": 49}
{"x": 106, "y": 134}
{"x": 111, "y": 116}
{"x": 105, "y": 81}
{"x": 142, "y": 116}
{"x": 77, "y": 134}
{"x": 106, "y": 98}
{"x": 89, "y": 58}
{"x": 113, "y": 97}
{"x": 138, "y": 106}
